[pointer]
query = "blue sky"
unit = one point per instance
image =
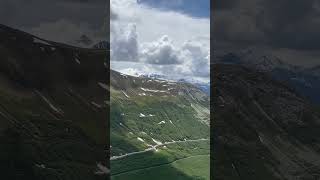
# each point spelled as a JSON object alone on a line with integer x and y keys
{"x": 171, "y": 39}
{"x": 195, "y": 8}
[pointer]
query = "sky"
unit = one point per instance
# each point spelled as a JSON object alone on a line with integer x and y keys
{"x": 170, "y": 38}
{"x": 288, "y": 29}
{"x": 58, "y": 20}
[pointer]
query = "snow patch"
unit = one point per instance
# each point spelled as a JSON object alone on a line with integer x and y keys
{"x": 41, "y": 166}
{"x": 142, "y": 115}
{"x": 95, "y": 104}
{"x": 162, "y": 122}
{"x": 140, "y": 139}
{"x": 77, "y": 60}
{"x": 49, "y": 103}
{"x": 157, "y": 142}
{"x": 125, "y": 94}
{"x": 104, "y": 86}
{"x": 151, "y": 90}
{"x": 102, "y": 170}
{"x": 36, "y": 40}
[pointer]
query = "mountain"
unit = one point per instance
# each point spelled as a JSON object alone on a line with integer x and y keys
{"x": 203, "y": 86}
{"x": 102, "y": 45}
{"x": 263, "y": 128}
{"x": 304, "y": 80}
{"x": 84, "y": 40}
{"x": 53, "y": 111}
{"x": 159, "y": 129}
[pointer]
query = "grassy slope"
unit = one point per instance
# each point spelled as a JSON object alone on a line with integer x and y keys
{"x": 127, "y": 126}
{"x": 193, "y": 167}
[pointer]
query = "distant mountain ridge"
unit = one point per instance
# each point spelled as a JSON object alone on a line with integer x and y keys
{"x": 300, "y": 78}
{"x": 205, "y": 87}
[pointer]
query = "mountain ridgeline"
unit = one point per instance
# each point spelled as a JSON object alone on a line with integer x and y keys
{"x": 53, "y": 109}
{"x": 305, "y": 80}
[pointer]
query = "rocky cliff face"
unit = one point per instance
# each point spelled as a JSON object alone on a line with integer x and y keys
{"x": 261, "y": 129}
{"x": 53, "y": 111}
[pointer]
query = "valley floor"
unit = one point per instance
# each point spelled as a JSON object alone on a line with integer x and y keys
{"x": 185, "y": 160}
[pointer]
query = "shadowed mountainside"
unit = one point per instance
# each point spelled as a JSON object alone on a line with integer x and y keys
{"x": 262, "y": 129}
{"x": 53, "y": 109}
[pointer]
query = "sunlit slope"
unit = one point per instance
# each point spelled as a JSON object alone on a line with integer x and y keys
{"x": 155, "y": 121}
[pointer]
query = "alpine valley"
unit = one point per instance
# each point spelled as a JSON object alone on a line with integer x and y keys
{"x": 159, "y": 129}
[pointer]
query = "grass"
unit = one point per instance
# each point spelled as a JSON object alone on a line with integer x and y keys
{"x": 194, "y": 167}
{"x": 183, "y": 119}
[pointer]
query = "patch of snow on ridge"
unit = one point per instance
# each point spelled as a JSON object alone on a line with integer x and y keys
{"x": 142, "y": 115}
{"x": 102, "y": 85}
{"x": 49, "y": 103}
{"x": 125, "y": 94}
{"x": 157, "y": 142}
{"x": 162, "y": 122}
{"x": 41, "y": 166}
{"x": 152, "y": 90}
{"x": 140, "y": 139}
{"x": 101, "y": 169}
{"x": 77, "y": 60}
{"x": 36, "y": 40}
{"x": 170, "y": 121}
{"x": 95, "y": 104}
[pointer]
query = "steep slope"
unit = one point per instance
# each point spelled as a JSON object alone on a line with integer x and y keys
{"x": 304, "y": 80}
{"x": 53, "y": 115}
{"x": 155, "y": 123}
{"x": 262, "y": 129}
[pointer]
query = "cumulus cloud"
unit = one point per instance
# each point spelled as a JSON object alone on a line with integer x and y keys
{"x": 165, "y": 42}
{"x": 124, "y": 44}
{"x": 161, "y": 51}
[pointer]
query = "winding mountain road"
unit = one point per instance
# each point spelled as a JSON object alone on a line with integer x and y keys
{"x": 154, "y": 148}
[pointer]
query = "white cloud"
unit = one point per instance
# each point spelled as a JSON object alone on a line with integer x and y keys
{"x": 124, "y": 44}
{"x": 166, "y": 42}
{"x": 161, "y": 51}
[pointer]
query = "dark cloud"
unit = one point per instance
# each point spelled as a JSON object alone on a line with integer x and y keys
{"x": 272, "y": 24}
{"x": 223, "y": 5}
{"x": 84, "y": 15}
